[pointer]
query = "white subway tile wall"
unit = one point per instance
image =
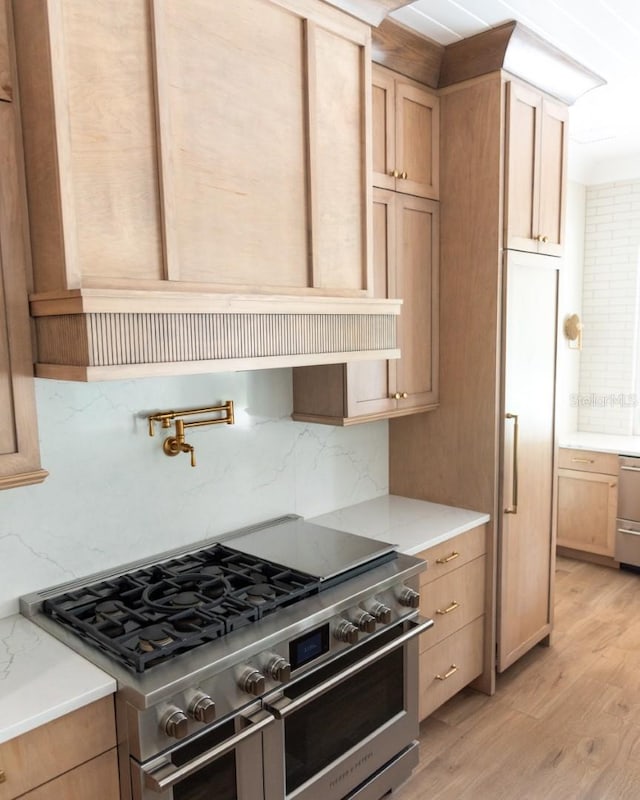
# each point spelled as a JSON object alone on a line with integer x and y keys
{"x": 607, "y": 395}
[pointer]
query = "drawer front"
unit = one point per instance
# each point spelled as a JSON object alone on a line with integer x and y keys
{"x": 588, "y": 461}
{"x": 97, "y": 779}
{"x": 44, "y": 753}
{"x": 450, "y": 666}
{"x": 452, "y": 554}
{"x": 453, "y": 601}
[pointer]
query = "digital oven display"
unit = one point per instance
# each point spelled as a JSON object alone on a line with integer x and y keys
{"x": 305, "y": 648}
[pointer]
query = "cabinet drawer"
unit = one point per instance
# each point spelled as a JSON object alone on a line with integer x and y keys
{"x": 44, "y": 753}
{"x": 453, "y": 601}
{"x": 588, "y": 461}
{"x": 450, "y": 666}
{"x": 97, "y": 779}
{"x": 452, "y": 554}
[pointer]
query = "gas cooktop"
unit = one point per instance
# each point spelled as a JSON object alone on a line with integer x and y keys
{"x": 148, "y": 615}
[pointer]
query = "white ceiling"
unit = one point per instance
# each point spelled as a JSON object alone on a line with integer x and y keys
{"x": 604, "y": 35}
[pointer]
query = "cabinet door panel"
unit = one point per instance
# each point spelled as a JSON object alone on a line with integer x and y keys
{"x": 417, "y": 285}
{"x": 553, "y": 168}
{"x": 587, "y": 511}
{"x": 526, "y": 557}
{"x": 221, "y": 181}
{"x": 19, "y": 447}
{"x": 113, "y": 208}
{"x": 417, "y": 141}
{"x": 372, "y": 383}
{"x": 383, "y": 129}
{"x": 338, "y": 170}
{"x": 522, "y": 200}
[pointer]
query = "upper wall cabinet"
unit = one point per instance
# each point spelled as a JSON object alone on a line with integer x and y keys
{"x": 177, "y": 150}
{"x": 19, "y": 447}
{"x": 406, "y": 124}
{"x": 536, "y": 171}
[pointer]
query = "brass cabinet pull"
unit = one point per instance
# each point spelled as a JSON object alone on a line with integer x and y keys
{"x": 399, "y": 396}
{"x": 3, "y": 776}
{"x": 404, "y": 176}
{"x": 395, "y": 174}
{"x": 451, "y": 607}
{"x": 404, "y": 395}
{"x": 541, "y": 238}
{"x": 448, "y": 558}
{"x": 513, "y": 508}
{"x": 584, "y": 460}
{"x": 452, "y": 670}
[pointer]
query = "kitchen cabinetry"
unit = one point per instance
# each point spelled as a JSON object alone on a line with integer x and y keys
{"x": 536, "y": 167}
{"x": 587, "y": 501}
{"x": 406, "y": 135}
{"x": 498, "y": 323}
{"x": 453, "y": 594}
{"x": 219, "y": 165}
{"x": 405, "y": 253}
{"x": 19, "y": 447}
{"x": 73, "y": 757}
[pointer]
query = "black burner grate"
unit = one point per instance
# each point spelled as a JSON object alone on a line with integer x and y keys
{"x": 145, "y": 617}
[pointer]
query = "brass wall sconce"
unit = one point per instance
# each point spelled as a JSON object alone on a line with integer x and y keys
{"x": 573, "y": 331}
{"x": 174, "y": 445}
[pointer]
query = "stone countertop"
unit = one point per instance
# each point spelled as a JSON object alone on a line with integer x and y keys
{"x": 41, "y": 679}
{"x": 412, "y": 525}
{"x": 602, "y": 443}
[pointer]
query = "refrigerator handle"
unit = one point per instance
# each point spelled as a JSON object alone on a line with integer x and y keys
{"x": 513, "y": 508}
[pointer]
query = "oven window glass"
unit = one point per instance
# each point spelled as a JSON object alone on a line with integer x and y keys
{"x": 325, "y": 728}
{"x": 216, "y": 781}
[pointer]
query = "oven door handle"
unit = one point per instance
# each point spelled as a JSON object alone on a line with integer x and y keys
{"x": 283, "y": 707}
{"x": 166, "y": 776}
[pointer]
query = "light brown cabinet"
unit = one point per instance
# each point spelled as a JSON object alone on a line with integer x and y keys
{"x": 73, "y": 757}
{"x": 453, "y": 594}
{"x": 405, "y": 250}
{"x": 587, "y": 501}
{"x": 19, "y": 446}
{"x": 498, "y": 341}
{"x": 406, "y": 135}
{"x": 536, "y": 171}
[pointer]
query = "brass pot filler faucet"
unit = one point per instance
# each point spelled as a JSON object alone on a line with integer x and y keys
{"x": 174, "y": 445}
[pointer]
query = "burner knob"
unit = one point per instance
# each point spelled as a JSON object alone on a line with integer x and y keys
{"x": 175, "y": 723}
{"x": 346, "y": 632}
{"x": 364, "y": 621}
{"x": 279, "y": 669}
{"x": 202, "y": 708}
{"x": 252, "y": 682}
{"x": 408, "y": 597}
{"x": 381, "y": 613}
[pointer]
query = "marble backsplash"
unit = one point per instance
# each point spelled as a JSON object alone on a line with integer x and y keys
{"x": 113, "y": 496}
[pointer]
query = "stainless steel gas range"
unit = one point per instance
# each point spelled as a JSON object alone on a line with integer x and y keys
{"x": 279, "y": 661}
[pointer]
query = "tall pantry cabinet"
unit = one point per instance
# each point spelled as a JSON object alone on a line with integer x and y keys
{"x": 490, "y": 445}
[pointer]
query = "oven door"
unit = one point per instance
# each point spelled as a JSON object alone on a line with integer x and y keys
{"x": 347, "y": 721}
{"x": 224, "y": 763}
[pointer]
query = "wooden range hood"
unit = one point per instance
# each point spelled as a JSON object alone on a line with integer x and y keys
{"x": 199, "y": 199}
